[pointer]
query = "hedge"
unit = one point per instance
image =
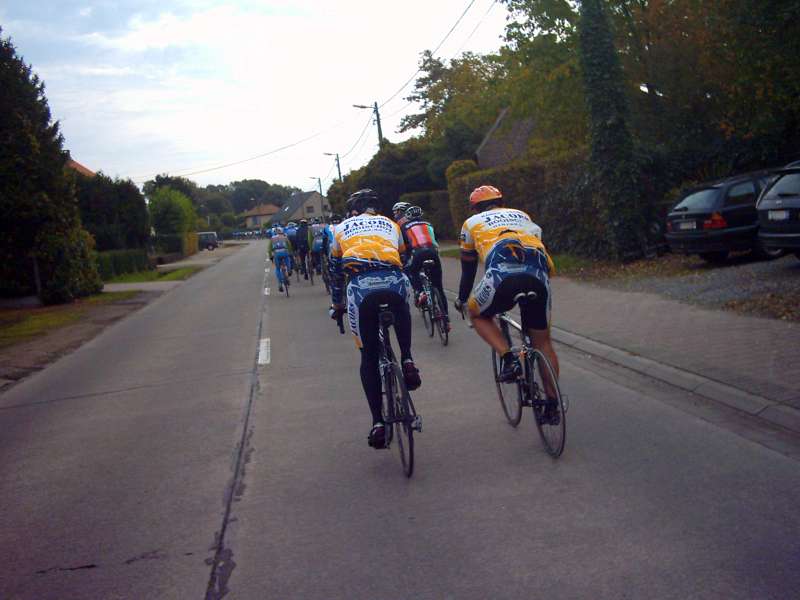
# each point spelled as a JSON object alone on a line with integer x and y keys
{"x": 65, "y": 259}
{"x": 185, "y": 244}
{"x": 558, "y": 196}
{"x": 436, "y": 206}
{"x": 113, "y": 263}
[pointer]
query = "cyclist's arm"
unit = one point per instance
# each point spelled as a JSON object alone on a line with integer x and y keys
{"x": 337, "y": 275}
{"x": 469, "y": 268}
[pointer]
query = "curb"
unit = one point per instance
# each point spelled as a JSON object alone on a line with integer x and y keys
{"x": 756, "y": 406}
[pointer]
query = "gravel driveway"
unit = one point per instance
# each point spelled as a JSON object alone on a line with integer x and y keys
{"x": 742, "y": 278}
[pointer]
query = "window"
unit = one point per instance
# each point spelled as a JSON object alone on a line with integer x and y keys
{"x": 742, "y": 194}
{"x": 699, "y": 201}
{"x": 309, "y": 209}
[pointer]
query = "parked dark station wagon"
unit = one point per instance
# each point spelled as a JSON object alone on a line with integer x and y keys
{"x": 718, "y": 218}
{"x": 779, "y": 212}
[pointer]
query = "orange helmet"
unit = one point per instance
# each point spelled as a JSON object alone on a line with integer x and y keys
{"x": 484, "y": 193}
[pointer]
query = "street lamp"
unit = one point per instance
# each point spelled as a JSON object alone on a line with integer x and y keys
{"x": 374, "y": 108}
{"x": 319, "y": 182}
{"x": 338, "y": 167}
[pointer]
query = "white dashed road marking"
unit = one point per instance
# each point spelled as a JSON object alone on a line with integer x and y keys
{"x": 266, "y": 291}
{"x": 264, "y": 352}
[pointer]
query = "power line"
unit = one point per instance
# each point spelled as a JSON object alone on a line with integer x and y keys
{"x": 435, "y": 50}
{"x": 479, "y": 23}
{"x": 363, "y": 131}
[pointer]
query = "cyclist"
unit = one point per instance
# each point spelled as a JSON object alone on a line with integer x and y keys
{"x": 509, "y": 244}
{"x": 280, "y": 252}
{"x": 291, "y": 232}
{"x": 421, "y": 244}
{"x": 301, "y": 245}
{"x": 367, "y": 248}
{"x": 316, "y": 239}
{"x": 399, "y": 212}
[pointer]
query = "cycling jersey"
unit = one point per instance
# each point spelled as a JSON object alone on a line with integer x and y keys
{"x": 418, "y": 234}
{"x": 291, "y": 233}
{"x": 489, "y": 231}
{"x": 316, "y": 237}
{"x": 367, "y": 241}
{"x": 279, "y": 244}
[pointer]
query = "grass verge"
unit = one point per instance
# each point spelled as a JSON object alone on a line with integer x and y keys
{"x": 22, "y": 324}
{"x": 146, "y": 276}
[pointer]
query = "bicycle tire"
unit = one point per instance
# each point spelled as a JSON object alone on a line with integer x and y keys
{"x": 310, "y": 272}
{"x": 552, "y": 427}
{"x": 427, "y": 318}
{"x": 439, "y": 316}
{"x": 403, "y": 425}
{"x": 509, "y": 394}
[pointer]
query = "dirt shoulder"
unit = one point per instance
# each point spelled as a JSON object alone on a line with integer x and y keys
{"x": 27, "y": 347}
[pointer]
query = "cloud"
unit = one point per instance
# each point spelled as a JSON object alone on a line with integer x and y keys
{"x": 86, "y": 11}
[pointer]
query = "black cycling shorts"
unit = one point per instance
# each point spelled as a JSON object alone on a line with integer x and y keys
{"x": 535, "y": 313}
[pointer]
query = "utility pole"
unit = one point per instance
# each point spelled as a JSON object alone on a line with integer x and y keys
{"x": 338, "y": 166}
{"x": 377, "y": 113}
{"x": 319, "y": 182}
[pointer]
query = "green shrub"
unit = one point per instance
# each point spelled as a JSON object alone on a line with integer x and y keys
{"x": 67, "y": 266}
{"x": 458, "y": 202}
{"x": 437, "y": 211}
{"x": 189, "y": 243}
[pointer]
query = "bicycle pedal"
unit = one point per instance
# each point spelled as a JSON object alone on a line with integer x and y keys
{"x": 416, "y": 424}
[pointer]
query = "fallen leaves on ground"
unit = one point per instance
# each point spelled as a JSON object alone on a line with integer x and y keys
{"x": 776, "y": 306}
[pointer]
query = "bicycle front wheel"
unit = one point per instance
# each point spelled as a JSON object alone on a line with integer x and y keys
{"x": 547, "y": 404}
{"x": 403, "y": 419}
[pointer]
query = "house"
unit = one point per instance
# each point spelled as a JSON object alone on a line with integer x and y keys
{"x": 506, "y": 141}
{"x": 257, "y": 217}
{"x": 303, "y": 205}
{"x": 76, "y": 166}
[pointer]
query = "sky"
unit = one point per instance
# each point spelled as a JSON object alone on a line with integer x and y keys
{"x": 142, "y": 87}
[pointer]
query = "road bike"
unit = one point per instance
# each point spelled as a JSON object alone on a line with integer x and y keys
{"x": 536, "y": 387}
{"x": 431, "y": 305}
{"x": 399, "y": 415}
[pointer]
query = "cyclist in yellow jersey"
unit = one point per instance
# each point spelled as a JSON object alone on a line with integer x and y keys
{"x": 366, "y": 247}
{"x": 509, "y": 244}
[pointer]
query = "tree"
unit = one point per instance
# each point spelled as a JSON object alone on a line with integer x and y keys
{"x": 40, "y": 227}
{"x": 171, "y": 212}
{"x": 611, "y": 144}
{"x": 114, "y": 212}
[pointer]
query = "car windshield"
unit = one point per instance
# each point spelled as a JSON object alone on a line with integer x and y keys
{"x": 699, "y": 201}
{"x": 787, "y": 185}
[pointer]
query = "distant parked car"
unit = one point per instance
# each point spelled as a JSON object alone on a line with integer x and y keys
{"x": 207, "y": 240}
{"x": 718, "y": 218}
{"x": 779, "y": 211}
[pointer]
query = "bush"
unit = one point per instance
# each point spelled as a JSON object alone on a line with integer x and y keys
{"x": 67, "y": 266}
{"x": 189, "y": 243}
{"x": 113, "y": 263}
{"x": 558, "y": 196}
{"x": 184, "y": 244}
{"x": 458, "y": 203}
{"x": 437, "y": 211}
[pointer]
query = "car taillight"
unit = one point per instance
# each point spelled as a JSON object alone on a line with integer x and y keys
{"x": 669, "y": 226}
{"x": 717, "y": 221}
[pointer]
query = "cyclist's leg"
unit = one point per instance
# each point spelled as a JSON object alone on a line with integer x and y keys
{"x": 366, "y": 315}
{"x": 536, "y": 321}
{"x": 412, "y": 271}
{"x": 493, "y": 295}
{"x": 279, "y": 260}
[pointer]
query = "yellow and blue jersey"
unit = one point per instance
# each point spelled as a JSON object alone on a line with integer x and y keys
{"x": 488, "y": 232}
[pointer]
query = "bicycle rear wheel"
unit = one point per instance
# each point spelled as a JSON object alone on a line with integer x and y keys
{"x": 403, "y": 417}
{"x": 510, "y": 394}
{"x": 310, "y": 271}
{"x": 427, "y": 317}
{"x": 548, "y": 409}
{"x": 437, "y": 304}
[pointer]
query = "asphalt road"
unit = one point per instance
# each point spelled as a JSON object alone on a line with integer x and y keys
{"x": 162, "y": 461}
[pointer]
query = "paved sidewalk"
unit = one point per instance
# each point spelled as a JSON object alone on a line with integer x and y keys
{"x": 749, "y": 363}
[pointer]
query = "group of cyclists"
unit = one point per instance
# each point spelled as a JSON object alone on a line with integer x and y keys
{"x": 373, "y": 260}
{"x": 302, "y": 245}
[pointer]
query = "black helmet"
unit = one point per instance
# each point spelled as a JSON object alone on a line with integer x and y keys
{"x": 413, "y": 212}
{"x": 335, "y": 219}
{"x": 362, "y": 200}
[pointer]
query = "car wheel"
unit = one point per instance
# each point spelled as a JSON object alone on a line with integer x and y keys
{"x": 797, "y": 254}
{"x": 763, "y": 252}
{"x": 209, "y": 247}
{"x": 715, "y": 258}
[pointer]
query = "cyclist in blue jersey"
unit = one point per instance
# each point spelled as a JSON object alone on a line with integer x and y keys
{"x": 280, "y": 252}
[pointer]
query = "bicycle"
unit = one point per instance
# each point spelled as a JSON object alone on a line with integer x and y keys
{"x": 433, "y": 314}
{"x": 528, "y": 390}
{"x": 326, "y": 278}
{"x": 399, "y": 415}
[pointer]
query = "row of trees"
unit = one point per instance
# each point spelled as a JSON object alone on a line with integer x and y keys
{"x": 641, "y": 96}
